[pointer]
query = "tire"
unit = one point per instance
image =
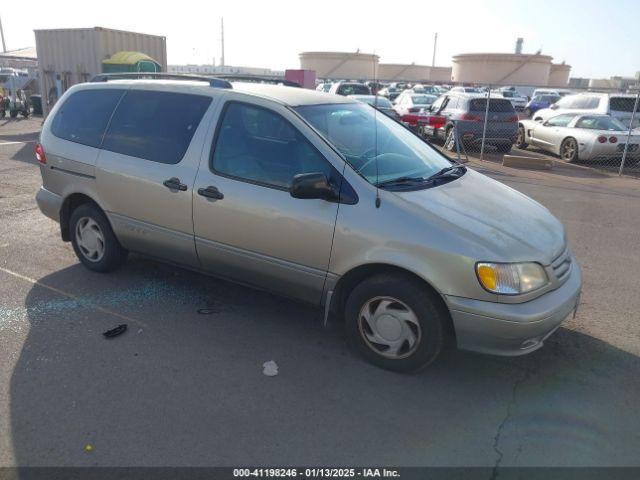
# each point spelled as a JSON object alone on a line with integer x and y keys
{"x": 97, "y": 248}
{"x": 449, "y": 142}
{"x": 13, "y": 113}
{"x": 415, "y": 321}
{"x": 520, "y": 143}
{"x": 569, "y": 150}
{"x": 503, "y": 148}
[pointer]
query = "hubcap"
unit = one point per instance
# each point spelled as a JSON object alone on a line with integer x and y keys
{"x": 90, "y": 239}
{"x": 389, "y": 327}
{"x": 569, "y": 150}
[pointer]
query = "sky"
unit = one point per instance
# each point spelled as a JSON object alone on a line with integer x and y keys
{"x": 598, "y": 39}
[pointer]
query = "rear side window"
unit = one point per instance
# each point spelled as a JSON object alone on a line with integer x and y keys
{"x": 155, "y": 126}
{"x": 622, "y": 104}
{"x": 84, "y": 116}
{"x": 496, "y": 105}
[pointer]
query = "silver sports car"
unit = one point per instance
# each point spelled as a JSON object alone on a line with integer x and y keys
{"x": 579, "y": 137}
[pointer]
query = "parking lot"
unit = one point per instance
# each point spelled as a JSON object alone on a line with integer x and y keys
{"x": 186, "y": 388}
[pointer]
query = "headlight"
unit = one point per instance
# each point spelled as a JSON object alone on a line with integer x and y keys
{"x": 511, "y": 278}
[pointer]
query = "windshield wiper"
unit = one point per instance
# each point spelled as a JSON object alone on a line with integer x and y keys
{"x": 448, "y": 172}
{"x": 401, "y": 181}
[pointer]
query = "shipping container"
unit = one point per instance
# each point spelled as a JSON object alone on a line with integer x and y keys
{"x": 70, "y": 56}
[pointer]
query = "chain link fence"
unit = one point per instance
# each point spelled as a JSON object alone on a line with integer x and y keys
{"x": 599, "y": 130}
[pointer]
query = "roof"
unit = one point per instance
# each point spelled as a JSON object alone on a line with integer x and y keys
{"x": 27, "y": 52}
{"x": 292, "y": 96}
{"x": 128, "y": 58}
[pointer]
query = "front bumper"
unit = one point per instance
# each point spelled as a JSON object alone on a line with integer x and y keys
{"x": 513, "y": 328}
{"x": 49, "y": 203}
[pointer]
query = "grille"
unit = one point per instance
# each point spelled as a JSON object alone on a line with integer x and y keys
{"x": 561, "y": 265}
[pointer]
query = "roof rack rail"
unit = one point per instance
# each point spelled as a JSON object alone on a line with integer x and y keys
{"x": 212, "y": 81}
{"x": 259, "y": 79}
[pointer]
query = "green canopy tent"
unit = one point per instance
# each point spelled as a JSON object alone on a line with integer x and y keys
{"x": 130, "y": 62}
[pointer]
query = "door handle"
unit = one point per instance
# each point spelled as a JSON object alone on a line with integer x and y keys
{"x": 211, "y": 192}
{"x": 174, "y": 184}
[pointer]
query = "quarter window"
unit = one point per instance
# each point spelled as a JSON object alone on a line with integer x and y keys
{"x": 84, "y": 116}
{"x": 156, "y": 126}
{"x": 258, "y": 145}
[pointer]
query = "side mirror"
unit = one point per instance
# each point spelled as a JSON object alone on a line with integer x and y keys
{"x": 312, "y": 186}
{"x": 554, "y": 107}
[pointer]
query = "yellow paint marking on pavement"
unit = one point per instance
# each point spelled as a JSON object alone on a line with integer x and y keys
{"x": 73, "y": 297}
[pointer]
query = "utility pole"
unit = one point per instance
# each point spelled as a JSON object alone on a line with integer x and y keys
{"x": 435, "y": 45}
{"x": 222, "y": 40}
{"x": 4, "y": 45}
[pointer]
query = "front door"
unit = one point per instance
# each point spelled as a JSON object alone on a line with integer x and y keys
{"x": 146, "y": 170}
{"x": 247, "y": 226}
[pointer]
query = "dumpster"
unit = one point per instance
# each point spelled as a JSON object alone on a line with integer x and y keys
{"x": 130, "y": 62}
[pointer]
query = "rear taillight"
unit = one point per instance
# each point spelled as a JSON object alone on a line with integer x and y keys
{"x": 469, "y": 117}
{"x": 613, "y": 139}
{"x": 436, "y": 121}
{"x": 602, "y": 139}
{"x": 40, "y": 154}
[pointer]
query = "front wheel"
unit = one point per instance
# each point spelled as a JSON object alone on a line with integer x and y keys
{"x": 395, "y": 322}
{"x": 93, "y": 240}
{"x": 569, "y": 150}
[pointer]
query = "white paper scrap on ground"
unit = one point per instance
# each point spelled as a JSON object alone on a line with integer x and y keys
{"x": 270, "y": 368}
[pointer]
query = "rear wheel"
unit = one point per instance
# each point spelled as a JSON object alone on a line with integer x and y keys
{"x": 520, "y": 142}
{"x": 450, "y": 140}
{"x": 395, "y": 322}
{"x": 569, "y": 150}
{"x": 93, "y": 240}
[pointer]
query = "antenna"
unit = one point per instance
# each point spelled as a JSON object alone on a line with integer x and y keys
{"x": 375, "y": 127}
{"x": 4, "y": 45}
{"x": 222, "y": 40}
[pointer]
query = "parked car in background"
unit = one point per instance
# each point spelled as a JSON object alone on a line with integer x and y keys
{"x": 324, "y": 87}
{"x": 518, "y": 101}
{"x": 311, "y": 196}
{"x": 390, "y": 92}
{"x": 349, "y": 88}
{"x": 428, "y": 89}
{"x": 466, "y": 90}
{"x": 383, "y": 104}
{"x": 467, "y": 113}
{"x": 618, "y": 105}
{"x": 545, "y": 91}
{"x": 576, "y": 137}
{"x": 539, "y": 102}
{"x": 411, "y": 106}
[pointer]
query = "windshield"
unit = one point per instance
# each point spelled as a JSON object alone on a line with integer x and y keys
{"x": 423, "y": 99}
{"x": 353, "y": 89}
{"x": 352, "y": 129}
{"x": 601, "y": 123}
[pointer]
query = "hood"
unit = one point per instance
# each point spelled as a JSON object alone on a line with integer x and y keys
{"x": 499, "y": 222}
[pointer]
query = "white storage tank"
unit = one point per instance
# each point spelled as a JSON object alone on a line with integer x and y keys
{"x": 340, "y": 65}
{"x": 501, "y": 68}
{"x": 74, "y": 55}
{"x": 559, "y": 75}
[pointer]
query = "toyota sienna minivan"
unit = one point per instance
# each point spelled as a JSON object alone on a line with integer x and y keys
{"x": 310, "y": 195}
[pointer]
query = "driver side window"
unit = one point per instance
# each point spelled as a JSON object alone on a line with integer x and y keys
{"x": 259, "y": 146}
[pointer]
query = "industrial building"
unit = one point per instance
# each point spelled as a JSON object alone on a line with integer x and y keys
{"x": 70, "y": 56}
